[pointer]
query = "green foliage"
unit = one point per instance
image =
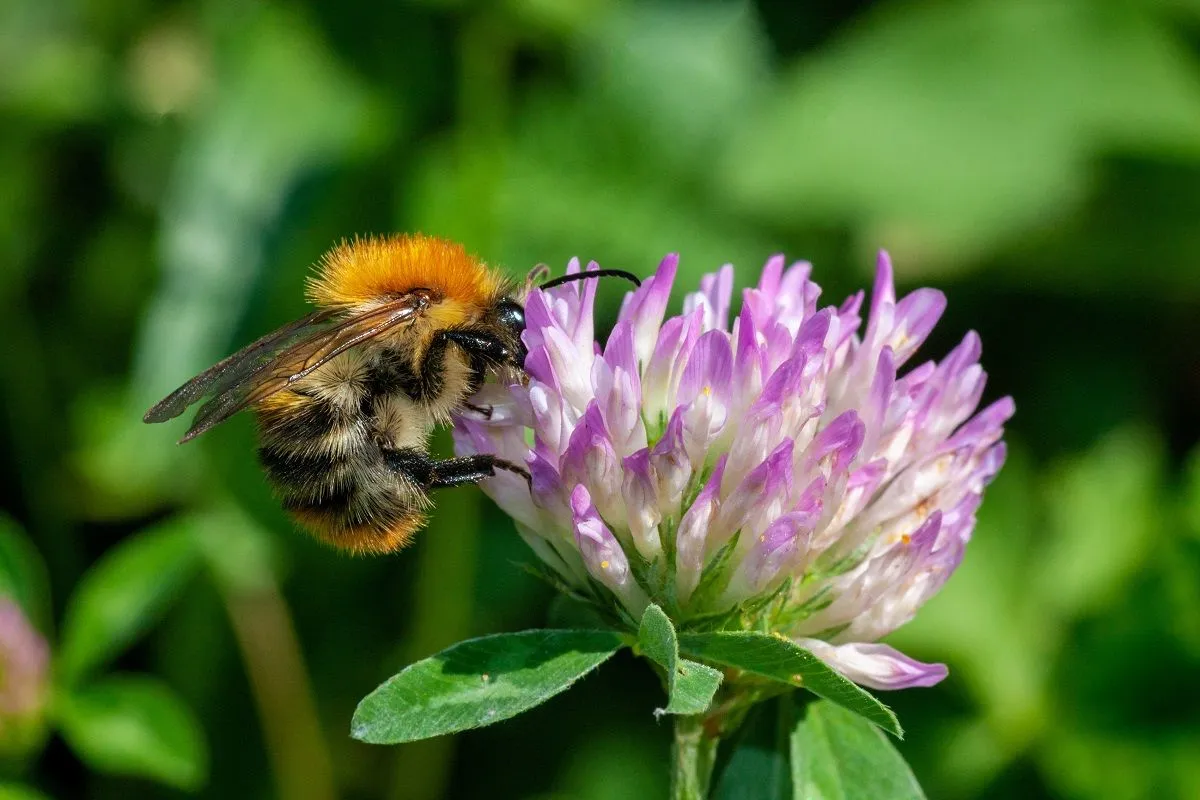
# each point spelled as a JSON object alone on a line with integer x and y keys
{"x": 479, "y": 682}
{"x": 820, "y": 752}
{"x": 13, "y": 791}
{"x": 877, "y": 131}
{"x": 23, "y": 573}
{"x": 1108, "y": 495}
{"x": 758, "y": 766}
{"x": 690, "y": 686}
{"x": 782, "y": 660}
{"x": 837, "y": 755}
{"x": 124, "y": 594}
{"x": 133, "y": 725}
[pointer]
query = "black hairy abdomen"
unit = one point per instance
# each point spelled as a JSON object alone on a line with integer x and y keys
{"x": 347, "y": 448}
{"x": 329, "y": 465}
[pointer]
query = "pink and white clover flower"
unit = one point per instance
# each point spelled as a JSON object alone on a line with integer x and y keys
{"x": 786, "y": 469}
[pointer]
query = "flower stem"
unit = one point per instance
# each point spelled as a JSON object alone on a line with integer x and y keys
{"x": 693, "y": 754}
{"x": 262, "y": 625}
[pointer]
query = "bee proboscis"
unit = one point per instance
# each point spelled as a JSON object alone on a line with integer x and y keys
{"x": 408, "y": 327}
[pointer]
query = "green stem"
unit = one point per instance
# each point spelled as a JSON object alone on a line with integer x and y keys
{"x": 693, "y": 754}
{"x": 262, "y": 625}
{"x": 447, "y": 557}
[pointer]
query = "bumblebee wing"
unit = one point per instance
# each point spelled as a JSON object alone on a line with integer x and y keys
{"x": 233, "y": 369}
{"x": 260, "y": 370}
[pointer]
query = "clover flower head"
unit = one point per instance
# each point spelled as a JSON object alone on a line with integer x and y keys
{"x": 790, "y": 469}
{"x": 24, "y": 666}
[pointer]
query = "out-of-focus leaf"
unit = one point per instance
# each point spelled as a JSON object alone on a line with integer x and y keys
{"x": 837, "y": 755}
{"x": 479, "y": 682}
{"x": 23, "y": 573}
{"x": 1104, "y": 511}
{"x": 680, "y": 74}
{"x": 51, "y": 70}
{"x": 1191, "y": 494}
{"x": 564, "y": 18}
{"x": 951, "y": 127}
{"x": 781, "y": 659}
{"x": 612, "y": 764}
{"x": 567, "y": 612}
{"x": 238, "y": 551}
{"x": 123, "y": 594}
{"x": 15, "y": 791}
{"x": 1091, "y": 763}
{"x": 286, "y": 107}
{"x": 758, "y": 768}
{"x": 690, "y": 686}
{"x": 283, "y": 108}
{"x": 610, "y": 204}
{"x": 134, "y": 725}
{"x": 169, "y": 69}
{"x": 21, "y": 202}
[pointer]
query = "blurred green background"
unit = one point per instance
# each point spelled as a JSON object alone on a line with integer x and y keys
{"x": 169, "y": 171}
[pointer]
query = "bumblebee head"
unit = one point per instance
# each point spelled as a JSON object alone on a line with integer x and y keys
{"x": 509, "y": 314}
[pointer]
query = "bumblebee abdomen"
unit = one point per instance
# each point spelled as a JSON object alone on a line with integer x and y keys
{"x": 357, "y": 518}
{"x": 321, "y": 452}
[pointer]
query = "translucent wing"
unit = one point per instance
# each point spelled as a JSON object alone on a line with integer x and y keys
{"x": 232, "y": 370}
{"x": 279, "y": 359}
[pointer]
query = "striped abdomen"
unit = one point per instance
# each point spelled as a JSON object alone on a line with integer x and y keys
{"x": 326, "y": 446}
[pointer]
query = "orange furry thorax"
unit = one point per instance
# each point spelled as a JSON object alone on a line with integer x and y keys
{"x": 365, "y": 270}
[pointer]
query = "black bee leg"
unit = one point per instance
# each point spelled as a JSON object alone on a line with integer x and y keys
{"x": 471, "y": 469}
{"x": 484, "y": 349}
{"x": 484, "y": 411}
{"x": 431, "y": 474}
{"x": 482, "y": 345}
{"x": 516, "y": 469}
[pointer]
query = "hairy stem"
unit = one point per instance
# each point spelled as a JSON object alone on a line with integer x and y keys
{"x": 693, "y": 753}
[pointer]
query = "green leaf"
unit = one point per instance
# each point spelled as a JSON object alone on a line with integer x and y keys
{"x": 682, "y": 74}
{"x": 278, "y": 67}
{"x": 565, "y": 146}
{"x": 690, "y": 686}
{"x": 17, "y": 791}
{"x": 972, "y": 154}
{"x": 124, "y": 594}
{"x": 758, "y": 767}
{"x": 837, "y": 755}
{"x": 134, "y": 725}
{"x": 479, "y": 682}
{"x": 1111, "y": 494}
{"x": 23, "y": 573}
{"x": 1191, "y": 494}
{"x": 772, "y": 656}
{"x": 570, "y": 612}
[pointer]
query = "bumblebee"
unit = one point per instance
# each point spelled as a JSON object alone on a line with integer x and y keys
{"x": 408, "y": 328}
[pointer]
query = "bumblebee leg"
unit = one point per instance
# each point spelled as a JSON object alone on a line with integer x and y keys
{"x": 470, "y": 469}
{"x": 432, "y": 474}
{"x": 483, "y": 348}
{"x": 484, "y": 411}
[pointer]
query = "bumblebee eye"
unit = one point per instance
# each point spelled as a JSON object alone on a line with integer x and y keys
{"x": 510, "y": 314}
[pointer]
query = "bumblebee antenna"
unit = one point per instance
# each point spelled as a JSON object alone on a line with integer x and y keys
{"x": 598, "y": 273}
